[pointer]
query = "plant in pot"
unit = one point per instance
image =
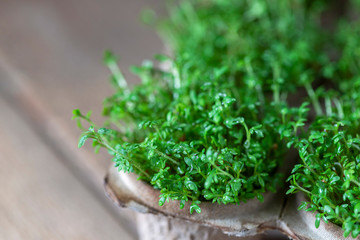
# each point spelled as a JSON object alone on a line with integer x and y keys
{"x": 213, "y": 126}
{"x": 328, "y": 174}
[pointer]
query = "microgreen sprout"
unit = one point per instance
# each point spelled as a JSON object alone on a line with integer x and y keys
{"x": 329, "y": 169}
{"x": 246, "y": 81}
{"x": 209, "y": 127}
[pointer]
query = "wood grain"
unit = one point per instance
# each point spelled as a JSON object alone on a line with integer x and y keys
{"x": 54, "y": 49}
{"x": 41, "y": 199}
{"x": 51, "y": 63}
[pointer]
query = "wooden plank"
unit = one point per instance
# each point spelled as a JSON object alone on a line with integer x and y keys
{"x": 41, "y": 199}
{"x": 54, "y": 49}
{"x": 34, "y": 114}
{"x": 51, "y": 52}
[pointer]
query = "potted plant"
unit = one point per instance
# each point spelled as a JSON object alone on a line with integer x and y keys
{"x": 215, "y": 124}
{"x": 328, "y": 173}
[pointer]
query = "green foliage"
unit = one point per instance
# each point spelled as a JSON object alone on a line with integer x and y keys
{"x": 196, "y": 141}
{"x": 247, "y": 81}
{"x": 277, "y": 46}
{"x": 329, "y": 171}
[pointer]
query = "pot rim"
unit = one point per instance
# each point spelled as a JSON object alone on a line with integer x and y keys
{"x": 243, "y": 219}
{"x": 326, "y": 230}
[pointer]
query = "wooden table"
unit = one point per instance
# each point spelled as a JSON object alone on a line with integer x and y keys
{"x": 50, "y": 63}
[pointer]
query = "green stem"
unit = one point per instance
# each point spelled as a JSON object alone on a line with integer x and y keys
{"x": 88, "y": 121}
{"x": 307, "y": 166}
{"x": 276, "y": 75}
{"x": 355, "y": 182}
{"x": 258, "y": 87}
{"x": 314, "y": 99}
{"x": 328, "y": 106}
{"x": 167, "y": 157}
{"x": 355, "y": 146}
{"x": 107, "y": 145}
{"x": 339, "y": 108}
{"x": 330, "y": 204}
{"x": 222, "y": 171}
{"x": 248, "y": 134}
{"x": 302, "y": 189}
{"x": 117, "y": 74}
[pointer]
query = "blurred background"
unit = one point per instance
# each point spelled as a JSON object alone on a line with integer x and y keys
{"x": 51, "y": 63}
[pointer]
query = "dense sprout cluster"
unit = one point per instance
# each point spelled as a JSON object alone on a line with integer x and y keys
{"x": 329, "y": 150}
{"x": 329, "y": 170}
{"x": 247, "y": 80}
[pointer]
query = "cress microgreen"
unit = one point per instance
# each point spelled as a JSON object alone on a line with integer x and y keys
{"x": 246, "y": 81}
{"x": 329, "y": 168}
